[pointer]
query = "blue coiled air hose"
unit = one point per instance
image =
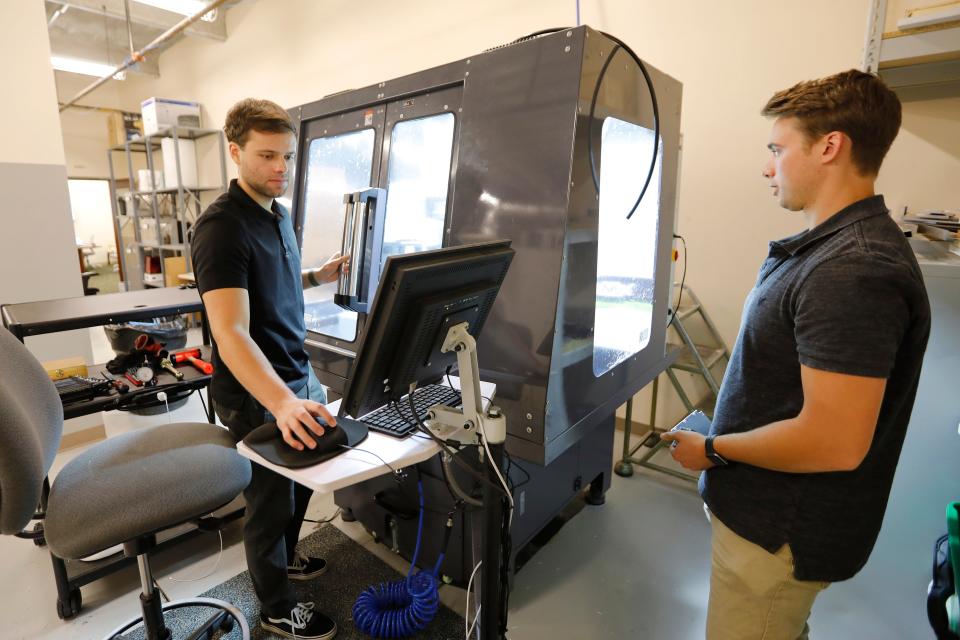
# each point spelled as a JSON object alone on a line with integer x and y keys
{"x": 404, "y": 607}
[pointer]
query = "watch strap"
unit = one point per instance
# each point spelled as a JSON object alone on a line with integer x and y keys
{"x": 712, "y": 454}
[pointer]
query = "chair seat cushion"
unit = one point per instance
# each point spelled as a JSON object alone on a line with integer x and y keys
{"x": 141, "y": 482}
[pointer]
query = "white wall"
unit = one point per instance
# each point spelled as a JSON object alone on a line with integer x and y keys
{"x": 37, "y": 244}
{"x": 85, "y": 143}
{"x": 730, "y": 56}
{"x": 31, "y": 105}
{"x": 38, "y": 256}
{"x": 923, "y": 167}
{"x": 93, "y": 217}
{"x": 84, "y": 131}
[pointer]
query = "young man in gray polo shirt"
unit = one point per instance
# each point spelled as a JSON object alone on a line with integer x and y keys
{"x": 815, "y": 403}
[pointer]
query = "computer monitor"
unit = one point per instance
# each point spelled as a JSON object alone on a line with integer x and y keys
{"x": 420, "y": 296}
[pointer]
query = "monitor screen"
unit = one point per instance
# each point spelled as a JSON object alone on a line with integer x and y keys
{"x": 422, "y": 295}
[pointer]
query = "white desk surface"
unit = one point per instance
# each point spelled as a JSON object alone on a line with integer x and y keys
{"x": 357, "y": 465}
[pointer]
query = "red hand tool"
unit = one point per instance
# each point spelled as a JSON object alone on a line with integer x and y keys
{"x": 193, "y": 357}
{"x": 133, "y": 381}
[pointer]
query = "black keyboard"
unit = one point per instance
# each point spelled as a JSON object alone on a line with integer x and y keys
{"x": 77, "y": 389}
{"x": 388, "y": 420}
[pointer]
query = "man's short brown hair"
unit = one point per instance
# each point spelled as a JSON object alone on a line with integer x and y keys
{"x": 853, "y": 102}
{"x": 257, "y": 115}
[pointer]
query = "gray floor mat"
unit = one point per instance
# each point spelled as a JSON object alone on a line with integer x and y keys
{"x": 351, "y": 570}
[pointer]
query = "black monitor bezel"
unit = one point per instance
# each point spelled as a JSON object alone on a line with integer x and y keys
{"x": 379, "y": 324}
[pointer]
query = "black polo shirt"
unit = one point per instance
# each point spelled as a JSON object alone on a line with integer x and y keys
{"x": 846, "y": 296}
{"x": 239, "y": 244}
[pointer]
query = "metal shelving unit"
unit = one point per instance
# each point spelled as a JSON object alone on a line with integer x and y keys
{"x": 173, "y": 210}
{"x": 919, "y": 51}
{"x": 700, "y": 359}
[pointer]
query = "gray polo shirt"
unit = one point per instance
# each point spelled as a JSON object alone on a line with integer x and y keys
{"x": 846, "y": 296}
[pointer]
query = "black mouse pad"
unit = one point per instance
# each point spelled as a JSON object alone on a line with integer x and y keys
{"x": 267, "y": 441}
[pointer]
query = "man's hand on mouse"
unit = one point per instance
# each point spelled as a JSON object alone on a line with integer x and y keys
{"x": 296, "y": 421}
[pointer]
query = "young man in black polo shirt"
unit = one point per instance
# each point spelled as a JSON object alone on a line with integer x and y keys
{"x": 815, "y": 403}
{"x": 247, "y": 266}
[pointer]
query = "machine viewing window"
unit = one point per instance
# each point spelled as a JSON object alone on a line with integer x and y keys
{"x": 335, "y": 165}
{"x": 626, "y": 252}
{"x": 417, "y": 182}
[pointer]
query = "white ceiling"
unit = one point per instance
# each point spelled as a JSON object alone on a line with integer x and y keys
{"x": 96, "y": 30}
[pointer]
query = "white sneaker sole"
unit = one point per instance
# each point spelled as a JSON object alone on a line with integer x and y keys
{"x": 268, "y": 626}
{"x": 300, "y": 577}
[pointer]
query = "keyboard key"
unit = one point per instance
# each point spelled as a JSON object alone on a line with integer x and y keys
{"x": 389, "y": 420}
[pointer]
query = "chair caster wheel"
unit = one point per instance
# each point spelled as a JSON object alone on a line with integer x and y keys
{"x": 41, "y": 541}
{"x": 70, "y": 608}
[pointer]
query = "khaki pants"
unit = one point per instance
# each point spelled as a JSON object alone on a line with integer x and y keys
{"x": 753, "y": 594}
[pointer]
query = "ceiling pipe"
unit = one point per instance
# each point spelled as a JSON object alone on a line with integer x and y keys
{"x": 138, "y": 56}
{"x": 126, "y": 10}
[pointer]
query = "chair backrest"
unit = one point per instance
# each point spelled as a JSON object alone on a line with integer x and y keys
{"x": 31, "y": 422}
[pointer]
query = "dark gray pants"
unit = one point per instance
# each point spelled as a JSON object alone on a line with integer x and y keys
{"x": 276, "y": 507}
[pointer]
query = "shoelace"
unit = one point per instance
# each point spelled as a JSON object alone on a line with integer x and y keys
{"x": 300, "y": 615}
{"x": 299, "y": 562}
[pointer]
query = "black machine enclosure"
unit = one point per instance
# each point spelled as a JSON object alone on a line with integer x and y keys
{"x": 520, "y": 170}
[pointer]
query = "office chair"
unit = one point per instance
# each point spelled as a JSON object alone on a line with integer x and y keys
{"x": 87, "y": 289}
{"x": 123, "y": 490}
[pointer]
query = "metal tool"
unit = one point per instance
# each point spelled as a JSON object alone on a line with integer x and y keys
{"x": 121, "y": 386}
{"x": 167, "y": 364}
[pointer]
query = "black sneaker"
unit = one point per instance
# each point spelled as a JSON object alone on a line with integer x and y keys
{"x": 305, "y": 568}
{"x": 303, "y": 624}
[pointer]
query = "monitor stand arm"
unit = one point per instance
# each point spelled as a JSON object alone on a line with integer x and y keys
{"x": 470, "y": 425}
{"x": 471, "y": 422}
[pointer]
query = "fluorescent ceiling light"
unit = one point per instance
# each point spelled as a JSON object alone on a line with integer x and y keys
{"x": 183, "y": 7}
{"x": 85, "y": 67}
{"x": 56, "y": 14}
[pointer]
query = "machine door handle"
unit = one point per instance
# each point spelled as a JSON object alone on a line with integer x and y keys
{"x": 363, "y": 225}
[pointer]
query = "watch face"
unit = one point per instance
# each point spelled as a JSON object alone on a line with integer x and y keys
{"x": 144, "y": 374}
{"x": 716, "y": 458}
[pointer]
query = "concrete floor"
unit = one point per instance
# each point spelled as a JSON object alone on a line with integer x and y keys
{"x": 635, "y": 567}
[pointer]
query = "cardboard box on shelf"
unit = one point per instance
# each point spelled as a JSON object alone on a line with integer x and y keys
{"x": 64, "y": 368}
{"x": 123, "y": 126}
{"x": 172, "y": 268}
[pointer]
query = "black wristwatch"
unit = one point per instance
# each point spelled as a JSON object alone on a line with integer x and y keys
{"x": 312, "y": 278}
{"x": 712, "y": 455}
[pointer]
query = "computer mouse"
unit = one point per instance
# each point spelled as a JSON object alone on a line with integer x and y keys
{"x": 267, "y": 440}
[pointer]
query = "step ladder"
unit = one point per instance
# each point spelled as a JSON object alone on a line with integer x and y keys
{"x": 703, "y": 360}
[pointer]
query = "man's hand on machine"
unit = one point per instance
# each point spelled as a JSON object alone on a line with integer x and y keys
{"x": 297, "y": 420}
{"x": 688, "y": 449}
{"x": 332, "y": 267}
